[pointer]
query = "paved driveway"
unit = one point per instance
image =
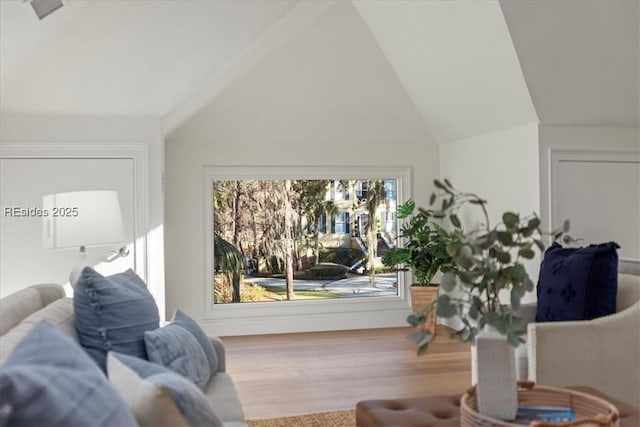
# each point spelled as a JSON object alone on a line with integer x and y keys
{"x": 352, "y": 286}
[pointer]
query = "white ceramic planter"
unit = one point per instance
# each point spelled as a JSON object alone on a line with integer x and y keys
{"x": 497, "y": 385}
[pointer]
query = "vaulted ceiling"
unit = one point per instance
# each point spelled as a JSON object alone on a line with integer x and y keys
{"x": 468, "y": 67}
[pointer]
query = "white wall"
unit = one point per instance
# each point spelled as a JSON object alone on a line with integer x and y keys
{"x": 56, "y": 131}
{"x": 502, "y": 168}
{"x": 597, "y": 138}
{"x": 325, "y": 98}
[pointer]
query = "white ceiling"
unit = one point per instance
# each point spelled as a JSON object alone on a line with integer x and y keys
{"x": 457, "y": 62}
{"x": 121, "y": 57}
{"x": 469, "y": 67}
{"x": 580, "y": 59}
{"x": 330, "y": 82}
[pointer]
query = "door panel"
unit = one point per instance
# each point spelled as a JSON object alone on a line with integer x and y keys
{"x": 23, "y": 182}
{"x": 599, "y": 192}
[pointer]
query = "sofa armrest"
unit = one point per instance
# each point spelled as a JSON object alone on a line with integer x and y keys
{"x": 218, "y": 346}
{"x": 603, "y": 353}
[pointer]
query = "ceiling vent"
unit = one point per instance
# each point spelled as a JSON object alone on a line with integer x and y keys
{"x": 44, "y": 8}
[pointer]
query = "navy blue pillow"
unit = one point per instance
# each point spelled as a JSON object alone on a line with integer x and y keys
{"x": 113, "y": 313}
{"x": 577, "y": 283}
{"x": 49, "y": 381}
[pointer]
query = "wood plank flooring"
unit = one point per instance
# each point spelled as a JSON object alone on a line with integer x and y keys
{"x": 292, "y": 374}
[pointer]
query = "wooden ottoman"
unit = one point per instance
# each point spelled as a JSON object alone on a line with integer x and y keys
{"x": 444, "y": 411}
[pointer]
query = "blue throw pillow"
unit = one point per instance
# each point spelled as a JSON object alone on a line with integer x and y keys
{"x": 577, "y": 283}
{"x": 113, "y": 313}
{"x": 181, "y": 319}
{"x": 191, "y": 401}
{"x": 49, "y": 380}
{"x": 177, "y": 349}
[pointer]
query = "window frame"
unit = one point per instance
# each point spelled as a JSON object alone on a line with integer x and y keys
{"x": 300, "y": 316}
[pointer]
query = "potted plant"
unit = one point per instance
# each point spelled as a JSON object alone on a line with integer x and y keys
{"x": 487, "y": 263}
{"x": 424, "y": 253}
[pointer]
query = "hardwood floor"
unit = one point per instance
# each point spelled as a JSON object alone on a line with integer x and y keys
{"x": 291, "y": 374}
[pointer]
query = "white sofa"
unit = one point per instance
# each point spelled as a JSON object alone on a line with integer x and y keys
{"x": 20, "y": 311}
{"x": 602, "y": 353}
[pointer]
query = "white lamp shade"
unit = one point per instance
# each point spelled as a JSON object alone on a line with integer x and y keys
{"x": 81, "y": 218}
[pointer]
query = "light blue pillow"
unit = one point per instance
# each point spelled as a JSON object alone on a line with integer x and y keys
{"x": 49, "y": 380}
{"x": 191, "y": 401}
{"x": 113, "y": 313}
{"x": 177, "y": 349}
{"x": 181, "y": 319}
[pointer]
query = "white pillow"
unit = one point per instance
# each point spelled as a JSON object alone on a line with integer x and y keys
{"x": 151, "y": 404}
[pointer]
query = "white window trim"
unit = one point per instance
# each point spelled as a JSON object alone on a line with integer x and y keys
{"x": 299, "y": 316}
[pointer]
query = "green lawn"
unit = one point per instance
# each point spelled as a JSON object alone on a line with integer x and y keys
{"x": 301, "y": 294}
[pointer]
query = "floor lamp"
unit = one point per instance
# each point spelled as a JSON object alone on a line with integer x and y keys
{"x": 82, "y": 219}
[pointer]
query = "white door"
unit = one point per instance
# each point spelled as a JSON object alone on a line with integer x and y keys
{"x": 23, "y": 183}
{"x": 599, "y": 192}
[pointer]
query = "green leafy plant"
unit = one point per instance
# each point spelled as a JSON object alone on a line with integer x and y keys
{"x": 425, "y": 251}
{"x": 487, "y": 261}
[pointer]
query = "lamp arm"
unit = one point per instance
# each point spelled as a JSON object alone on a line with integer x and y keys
{"x": 122, "y": 252}
{"x": 80, "y": 264}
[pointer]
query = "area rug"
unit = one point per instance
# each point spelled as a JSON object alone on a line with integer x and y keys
{"x": 320, "y": 419}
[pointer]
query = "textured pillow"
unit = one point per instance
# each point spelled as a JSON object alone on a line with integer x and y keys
{"x": 181, "y": 319}
{"x": 134, "y": 378}
{"x": 577, "y": 283}
{"x": 49, "y": 380}
{"x": 175, "y": 348}
{"x": 113, "y": 313}
{"x": 58, "y": 313}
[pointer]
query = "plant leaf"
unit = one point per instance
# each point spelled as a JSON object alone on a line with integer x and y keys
{"x": 406, "y": 209}
{"x": 422, "y": 350}
{"x": 510, "y": 219}
{"x": 534, "y": 223}
{"x": 503, "y": 257}
{"x": 448, "y": 282}
{"x": 445, "y": 308}
{"x": 527, "y": 253}
{"x": 515, "y": 299}
{"x": 519, "y": 273}
{"x": 505, "y": 237}
{"x": 415, "y": 319}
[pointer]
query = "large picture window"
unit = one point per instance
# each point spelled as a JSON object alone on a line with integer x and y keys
{"x": 271, "y": 241}
{"x": 287, "y": 249}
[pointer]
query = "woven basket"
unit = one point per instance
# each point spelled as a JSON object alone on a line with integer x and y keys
{"x": 421, "y": 296}
{"x": 590, "y": 411}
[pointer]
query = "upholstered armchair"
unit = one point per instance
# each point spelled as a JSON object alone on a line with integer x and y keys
{"x": 602, "y": 353}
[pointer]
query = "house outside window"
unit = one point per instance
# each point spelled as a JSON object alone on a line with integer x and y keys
{"x": 362, "y": 188}
{"x": 390, "y": 189}
{"x": 338, "y": 192}
{"x": 322, "y": 223}
{"x": 341, "y": 223}
{"x": 390, "y": 222}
